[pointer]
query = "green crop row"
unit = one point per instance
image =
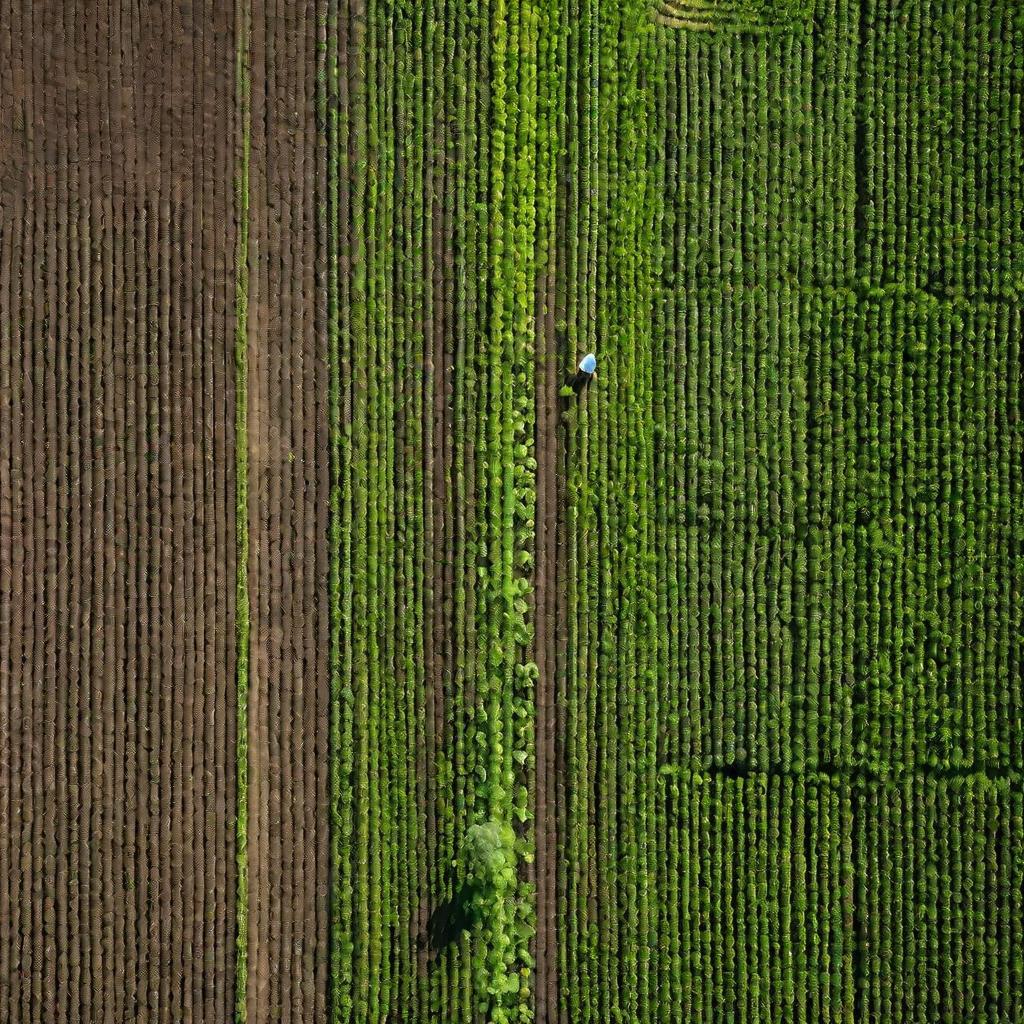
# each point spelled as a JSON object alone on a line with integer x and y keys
{"x": 793, "y": 508}
{"x": 612, "y": 187}
{"x": 941, "y": 89}
{"x": 440, "y": 205}
{"x": 793, "y": 531}
{"x": 938, "y": 899}
{"x": 758, "y": 912}
{"x": 506, "y": 500}
{"x": 377, "y": 587}
{"x": 759, "y": 153}
{"x": 816, "y": 898}
{"x": 838, "y": 550}
{"x": 938, "y": 536}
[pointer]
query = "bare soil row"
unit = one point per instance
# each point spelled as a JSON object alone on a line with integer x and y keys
{"x": 117, "y": 714}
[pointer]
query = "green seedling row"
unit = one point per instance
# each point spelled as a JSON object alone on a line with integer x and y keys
{"x": 789, "y": 531}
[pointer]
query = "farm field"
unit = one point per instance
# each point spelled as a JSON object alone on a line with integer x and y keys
{"x": 353, "y": 668}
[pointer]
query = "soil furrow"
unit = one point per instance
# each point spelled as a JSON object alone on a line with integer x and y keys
{"x": 111, "y": 138}
{"x": 288, "y": 510}
{"x": 550, "y": 609}
{"x": 316, "y": 438}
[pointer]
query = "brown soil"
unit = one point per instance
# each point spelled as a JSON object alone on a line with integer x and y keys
{"x": 288, "y": 526}
{"x": 116, "y": 494}
{"x": 550, "y": 618}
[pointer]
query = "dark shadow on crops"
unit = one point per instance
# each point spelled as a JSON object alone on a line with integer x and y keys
{"x": 448, "y": 921}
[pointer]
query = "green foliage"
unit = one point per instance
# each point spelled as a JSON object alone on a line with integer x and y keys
{"x": 488, "y": 864}
{"x": 789, "y": 523}
{"x": 802, "y": 429}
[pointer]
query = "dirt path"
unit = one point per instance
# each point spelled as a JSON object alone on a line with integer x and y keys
{"x": 288, "y": 526}
{"x": 116, "y": 620}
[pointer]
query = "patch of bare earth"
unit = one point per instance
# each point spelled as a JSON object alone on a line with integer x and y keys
{"x": 288, "y": 523}
{"x": 116, "y": 489}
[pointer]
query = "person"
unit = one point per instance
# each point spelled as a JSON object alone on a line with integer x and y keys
{"x": 586, "y": 370}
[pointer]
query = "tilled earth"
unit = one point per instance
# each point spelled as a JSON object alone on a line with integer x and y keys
{"x": 119, "y": 167}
